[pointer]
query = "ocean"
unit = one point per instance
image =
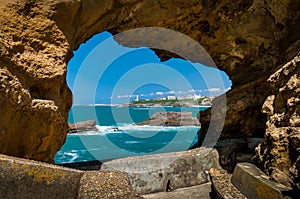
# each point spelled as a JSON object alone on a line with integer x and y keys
{"x": 118, "y": 136}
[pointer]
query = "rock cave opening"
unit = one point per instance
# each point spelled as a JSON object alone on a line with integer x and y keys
{"x": 255, "y": 42}
{"x": 116, "y": 87}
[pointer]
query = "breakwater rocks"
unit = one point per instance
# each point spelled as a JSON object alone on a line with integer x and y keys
{"x": 84, "y": 126}
{"x": 120, "y": 178}
{"x": 247, "y": 181}
{"x": 154, "y": 173}
{"x": 171, "y": 119}
{"x": 21, "y": 178}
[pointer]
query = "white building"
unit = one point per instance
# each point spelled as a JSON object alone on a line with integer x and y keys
{"x": 196, "y": 97}
{"x": 171, "y": 97}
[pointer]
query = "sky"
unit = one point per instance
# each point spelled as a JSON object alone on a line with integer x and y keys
{"x": 104, "y": 72}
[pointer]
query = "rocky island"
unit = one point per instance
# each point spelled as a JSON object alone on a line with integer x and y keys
{"x": 171, "y": 119}
{"x": 81, "y": 127}
{"x": 255, "y": 42}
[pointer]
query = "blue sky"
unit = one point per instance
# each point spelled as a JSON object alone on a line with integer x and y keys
{"x": 104, "y": 72}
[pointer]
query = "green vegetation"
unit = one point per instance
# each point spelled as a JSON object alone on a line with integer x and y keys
{"x": 172, "y": 102}
{"x": 164, "y": 102}
{"x": 154, "y": 101}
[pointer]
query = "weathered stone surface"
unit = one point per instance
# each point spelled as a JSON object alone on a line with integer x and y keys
{"x": 199, "y": 192}
{"x": 151, "y": 173}
{"x": 232, "y": 151}
{"x": 22, "y": 179}
{"x": 249, "y": 40}
{"x": 171, "y": 119}
{"x": 84, "y": 126}
{"x": 253, "y": 183}
{"x": 34, "y": 97}
{"x": 221, "y": 186}
{"x": 279, "y": 153}
{"x": 106, "y": 184}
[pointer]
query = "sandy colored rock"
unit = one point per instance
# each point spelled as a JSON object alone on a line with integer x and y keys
{"x": 35, "y": 99}
{"x": 106, "y": 184}
{"x": 249, "y": 39}
{"x": 279, "y": 154}
{"x": 82, "y": 127}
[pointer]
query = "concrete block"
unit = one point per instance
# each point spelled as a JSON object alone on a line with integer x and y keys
{"x": 21, "y": 178}
{"x": 253, "y": 183}
{"x": 149, "y": 174}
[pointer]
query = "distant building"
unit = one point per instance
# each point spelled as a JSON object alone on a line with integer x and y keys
{"x": 189, "y": 97}
{"x": 171, "y": 97}
{"x": 137, "y": 98}
{"x": 196, "y": 97}
{"x": 180, "y": 97}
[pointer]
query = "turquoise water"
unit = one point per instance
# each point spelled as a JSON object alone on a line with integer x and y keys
{"x": 128, "y": 139}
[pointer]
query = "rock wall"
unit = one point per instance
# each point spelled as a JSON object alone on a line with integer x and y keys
{"x": 279, "y": 154}
{"x": 248, "y": 39}
{"x": 34, "y": 97}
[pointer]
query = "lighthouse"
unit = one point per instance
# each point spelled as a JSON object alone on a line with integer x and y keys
{"x": 137, "y": 98}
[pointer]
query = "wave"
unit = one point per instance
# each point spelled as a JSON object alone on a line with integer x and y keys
{"x": 133, "y": 127}
{"x": 102, "y": 130}
{"x": 86, "y": 133}
{"x": 73, "y": 155}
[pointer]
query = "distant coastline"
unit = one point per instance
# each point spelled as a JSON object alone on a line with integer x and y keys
{"x": 201, "y": 102}
{"x": 138, "y": 105}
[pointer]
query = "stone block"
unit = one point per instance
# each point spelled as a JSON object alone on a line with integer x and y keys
{"x": 23, "y": 179}
{"x": 152, "y": 173}
{"x": 253, "y": 183}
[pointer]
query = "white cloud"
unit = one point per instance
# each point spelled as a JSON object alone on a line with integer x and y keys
{"x": 159, "y": 93}
{"x": 170, "y": 92}
{"x": 227, "y": 89}
{"x": 125, "y": 96}
{"x": 214, "y": 90}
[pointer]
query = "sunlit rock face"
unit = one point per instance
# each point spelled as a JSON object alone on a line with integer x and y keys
{"x": 250, "y": 40}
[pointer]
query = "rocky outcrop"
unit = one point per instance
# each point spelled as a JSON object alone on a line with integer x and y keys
{"x": 34, "y": 96}
{"x": 279, "y": 155}
{"x": 84, "y": 126}
{"x": 171, "y": 119}
{"x": 248, "y": 39}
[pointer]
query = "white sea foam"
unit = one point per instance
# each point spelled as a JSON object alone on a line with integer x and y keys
{"x": 73, "y": 155}
{"x": 155, "y": 128}
{"x": 132, "y": 142}
{"x": 86, "y": 133}
{"x": 102, "y": 130}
